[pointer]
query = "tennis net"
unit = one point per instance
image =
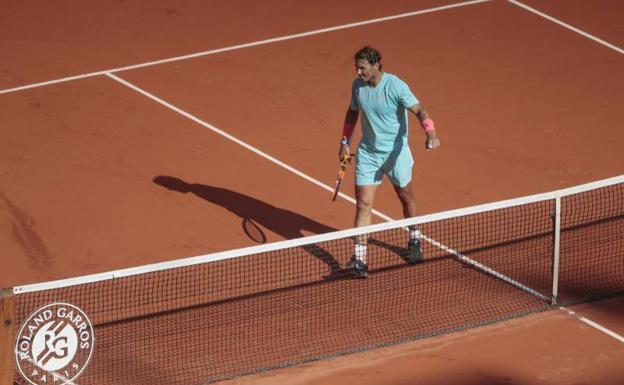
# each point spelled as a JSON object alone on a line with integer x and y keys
{"x": 213, "y": 317}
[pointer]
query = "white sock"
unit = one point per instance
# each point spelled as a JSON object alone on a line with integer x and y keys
{"x": 360, "y": 252}
{"x": 415, "y": 234}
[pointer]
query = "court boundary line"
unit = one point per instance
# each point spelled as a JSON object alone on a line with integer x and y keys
{"x": 593, "y": 324}
{"x": 567, "y": 26}
{"x": 245, "y": 45}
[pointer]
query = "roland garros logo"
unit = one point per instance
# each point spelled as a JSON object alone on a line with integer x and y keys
{"x": 54, "y": 345}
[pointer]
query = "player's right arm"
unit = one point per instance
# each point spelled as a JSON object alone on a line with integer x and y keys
{"x": 351, "y": 118}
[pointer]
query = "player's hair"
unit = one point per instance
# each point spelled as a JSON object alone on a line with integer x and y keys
{"x": 370, "y": 54}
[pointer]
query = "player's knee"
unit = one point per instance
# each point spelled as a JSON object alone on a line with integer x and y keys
{"x": 406, "y": 197}
{"x": 405, "y": 194}
{"x": 364, "y": 206}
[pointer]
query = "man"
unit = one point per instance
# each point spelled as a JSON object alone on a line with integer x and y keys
{"x": 383, "y": 100}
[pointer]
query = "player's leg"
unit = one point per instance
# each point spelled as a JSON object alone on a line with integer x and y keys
{"x": 406, "y": 197}
{"x": 368, "y": 176}
{"x": 364, "y": 196}
{"x": 399, "y": 170}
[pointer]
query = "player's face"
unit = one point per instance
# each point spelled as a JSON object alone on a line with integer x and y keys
{"x": 365, "y": 70}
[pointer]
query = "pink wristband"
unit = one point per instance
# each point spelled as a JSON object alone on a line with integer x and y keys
{"x": 428, "y": 125}
{"x": 347, "y": 130}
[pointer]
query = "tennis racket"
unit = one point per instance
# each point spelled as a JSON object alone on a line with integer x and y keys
{"x": 341, "y": 172}
{"x": 253, "y": 231}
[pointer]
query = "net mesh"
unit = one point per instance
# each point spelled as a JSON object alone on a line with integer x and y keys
{"x": 592, "y": 244}
{"x": 211, "y": 321}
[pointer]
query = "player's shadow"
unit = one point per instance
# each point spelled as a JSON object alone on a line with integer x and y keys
{"x": 254, "y": 212}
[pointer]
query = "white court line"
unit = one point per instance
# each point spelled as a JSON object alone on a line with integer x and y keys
{"x": 246, "y": 45}
{"x": 594, "y": 325}
{"x": 568, "y": 26}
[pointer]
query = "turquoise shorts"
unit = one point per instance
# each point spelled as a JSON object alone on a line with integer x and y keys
{"x": 372, "y": 166}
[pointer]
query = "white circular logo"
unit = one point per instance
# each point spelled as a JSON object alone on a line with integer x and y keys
{"x": 54, "y": 345}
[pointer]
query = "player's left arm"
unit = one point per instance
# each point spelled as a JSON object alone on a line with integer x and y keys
{"x": 427, "y": 125}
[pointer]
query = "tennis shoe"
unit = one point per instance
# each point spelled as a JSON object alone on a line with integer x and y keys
{"x": 414, "y": 252}
{"x": 357, "y": 267}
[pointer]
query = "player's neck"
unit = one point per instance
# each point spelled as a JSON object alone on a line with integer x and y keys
{"x": 374, "y": 82}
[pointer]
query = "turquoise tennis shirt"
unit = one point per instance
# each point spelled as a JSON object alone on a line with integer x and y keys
{"x": 384, "y": 112}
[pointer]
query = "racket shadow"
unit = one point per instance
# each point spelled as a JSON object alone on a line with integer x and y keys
{"x": 256, "y": 215}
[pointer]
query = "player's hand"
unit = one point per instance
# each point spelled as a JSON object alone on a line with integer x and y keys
{"x": 344, "y": 151}
{"x": 432, "y": 141}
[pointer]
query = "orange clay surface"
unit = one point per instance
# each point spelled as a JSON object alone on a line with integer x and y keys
{"x": 522, "y": 106}
{"x": 546, "y": 349}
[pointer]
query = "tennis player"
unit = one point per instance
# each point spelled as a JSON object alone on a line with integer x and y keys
{"x": 383, "y": 101}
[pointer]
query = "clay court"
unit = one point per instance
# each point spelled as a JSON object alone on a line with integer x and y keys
{"x": 140, "y": 132}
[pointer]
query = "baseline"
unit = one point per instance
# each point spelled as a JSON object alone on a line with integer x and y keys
{"x": 241, "y": 46}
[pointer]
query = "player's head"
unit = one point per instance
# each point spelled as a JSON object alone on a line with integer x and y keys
{"x": 367, "y": 63}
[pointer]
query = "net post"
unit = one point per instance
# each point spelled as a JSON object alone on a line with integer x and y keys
{"x": 7, "y": 336}
{"x": 556, "y": 250}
